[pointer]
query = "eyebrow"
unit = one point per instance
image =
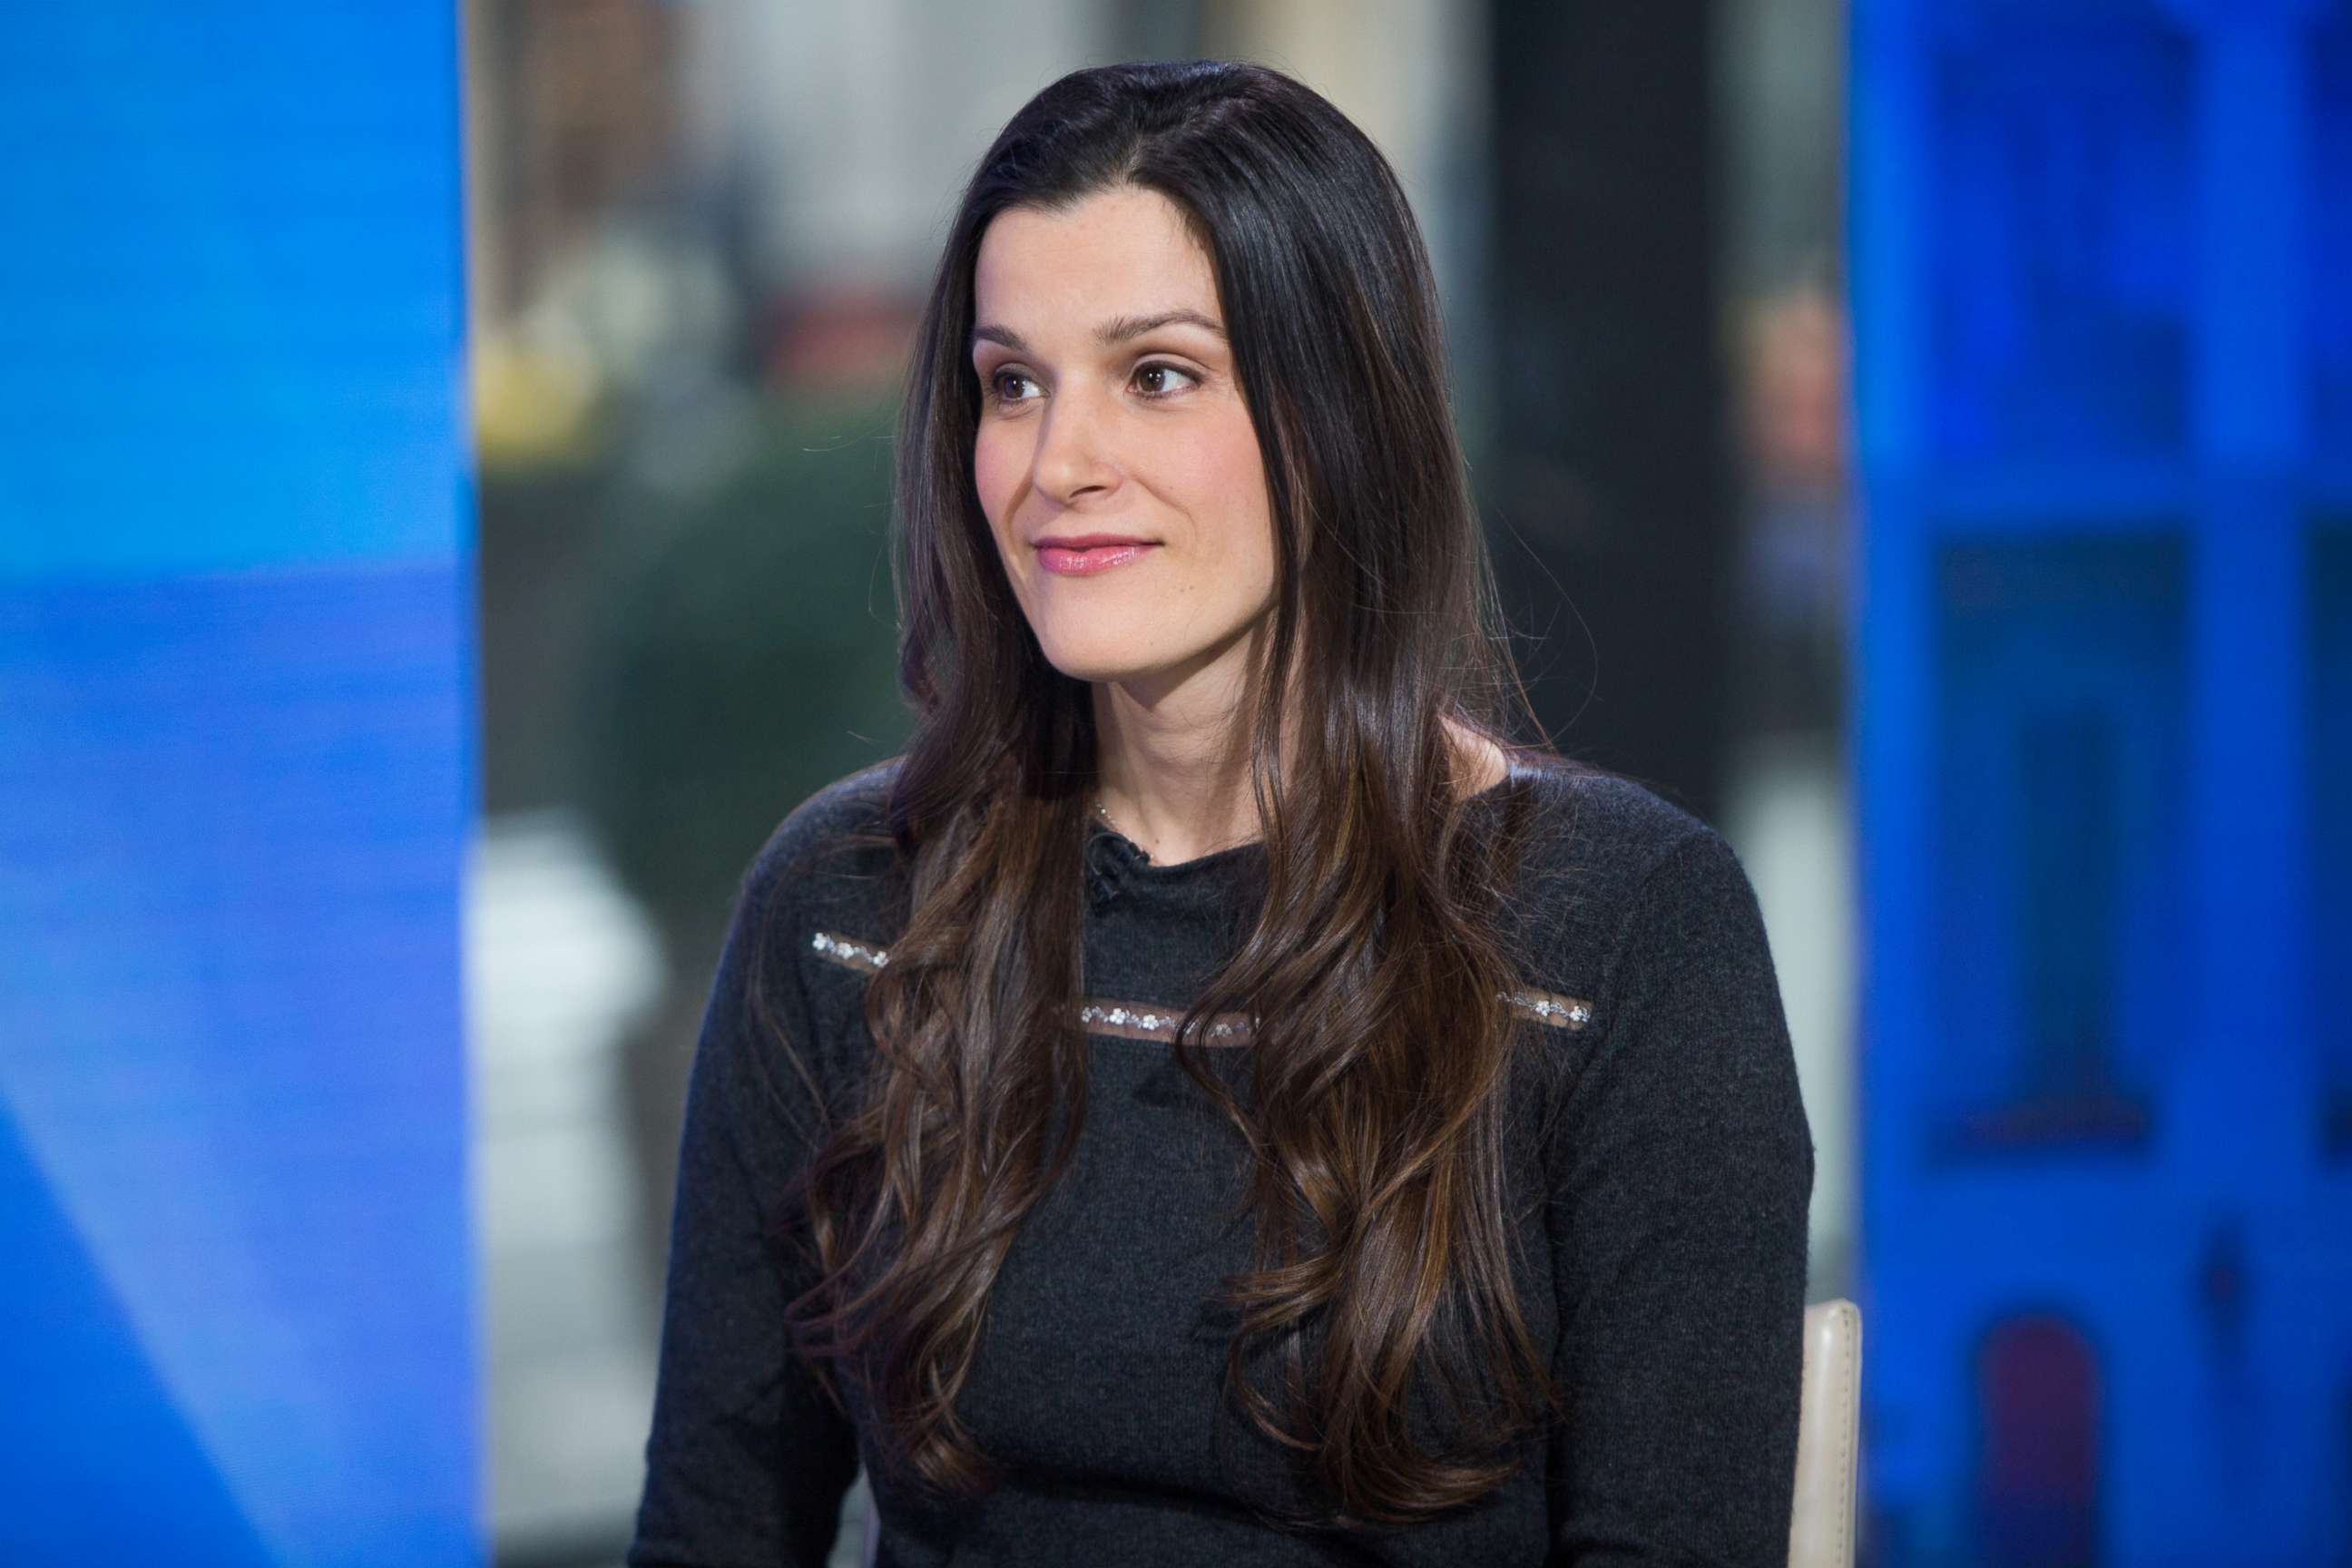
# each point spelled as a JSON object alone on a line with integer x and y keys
{"x": 1111, "y": 334}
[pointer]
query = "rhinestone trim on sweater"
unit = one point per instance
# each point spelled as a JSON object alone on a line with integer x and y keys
{"x": 1141, "y": 1021}
{"x": 856, "y": 954}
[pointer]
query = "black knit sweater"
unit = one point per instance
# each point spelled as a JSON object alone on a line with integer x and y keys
{"x": 1660, "y": 1181}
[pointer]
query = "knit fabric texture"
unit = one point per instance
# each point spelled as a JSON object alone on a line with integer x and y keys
{"x": 1658, "y": 1187}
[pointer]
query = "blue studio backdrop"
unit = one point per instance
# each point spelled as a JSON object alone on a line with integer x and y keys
{"x": 2104, "y": 355}
{"x": 235, "y": 785}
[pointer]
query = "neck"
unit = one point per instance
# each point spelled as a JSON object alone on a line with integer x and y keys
{"x": 1172, "y": 763}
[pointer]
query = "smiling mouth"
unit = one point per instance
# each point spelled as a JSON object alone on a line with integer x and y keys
{"x": 1085, "y": 561}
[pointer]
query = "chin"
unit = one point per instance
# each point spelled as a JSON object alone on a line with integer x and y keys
{"x": 1105, "y": 653}
{"x": 1099, "y": 665}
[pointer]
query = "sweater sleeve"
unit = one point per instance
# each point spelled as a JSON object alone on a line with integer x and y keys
{"x": 1682, "y": 1166}
{"x": 746, "y": 1460}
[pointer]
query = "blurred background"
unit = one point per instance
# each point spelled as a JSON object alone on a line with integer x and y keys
{"x": 442, "y": 501}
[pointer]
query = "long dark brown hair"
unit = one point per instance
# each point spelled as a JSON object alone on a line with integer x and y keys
{"x": 1375, "y": 1107}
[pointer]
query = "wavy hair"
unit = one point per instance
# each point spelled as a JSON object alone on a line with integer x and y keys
{"x": 1375, "y": 1110}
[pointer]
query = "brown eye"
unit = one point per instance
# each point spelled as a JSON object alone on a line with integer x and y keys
{"x": 1158, "y": 368}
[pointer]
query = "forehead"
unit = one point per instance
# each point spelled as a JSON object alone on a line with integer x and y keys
{"x": 1115, "y": 250}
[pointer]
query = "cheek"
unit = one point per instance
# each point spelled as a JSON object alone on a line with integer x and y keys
{"x": 995, "y": 470}
{"x": 1233, "y": 477}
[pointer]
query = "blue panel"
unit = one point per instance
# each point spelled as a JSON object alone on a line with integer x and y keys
{"x": 231, "y": 313}
{"x": 2063, "y": 285}
{"x": 2061, "y": 750}
{"x": 235, "y": 787}
{"x": 2103, "y": 722}
{"x": 2329, "y": 213}
{"x": 2330, "y": 719}
{"x": 232, "y": 813}
{"x": 83, "y": 1401}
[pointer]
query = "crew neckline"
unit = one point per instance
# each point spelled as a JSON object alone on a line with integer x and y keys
{"x": 1134, "y": 864}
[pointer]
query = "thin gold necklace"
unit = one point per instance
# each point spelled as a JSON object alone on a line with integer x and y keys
{"x": 1104, "y": 812}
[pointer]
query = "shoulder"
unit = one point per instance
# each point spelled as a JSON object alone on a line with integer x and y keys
{"x": 831, "y": 853}
{"x": 834, "y": 819}
{"x": 1603, "y": 823}
{"x": 1645, "y": 913}
{"x": 825, "y": 883}
{"x": 1612, "y": 870}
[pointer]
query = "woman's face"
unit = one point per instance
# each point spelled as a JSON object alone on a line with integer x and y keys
{"x": 1115, "y": 461}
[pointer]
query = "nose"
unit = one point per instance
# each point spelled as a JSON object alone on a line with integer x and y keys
{"x": 1074, "y": 455}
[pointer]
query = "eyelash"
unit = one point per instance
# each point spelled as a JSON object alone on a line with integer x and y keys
{"x": 994, "y": 393}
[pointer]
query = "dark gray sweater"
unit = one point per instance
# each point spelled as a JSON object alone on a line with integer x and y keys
{"x": 1661, "y": 1176}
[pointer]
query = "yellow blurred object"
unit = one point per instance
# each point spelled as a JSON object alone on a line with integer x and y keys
{"x": 530, "y": 404}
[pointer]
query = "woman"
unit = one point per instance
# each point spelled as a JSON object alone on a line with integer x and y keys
{"x": 1213, "y": 1097}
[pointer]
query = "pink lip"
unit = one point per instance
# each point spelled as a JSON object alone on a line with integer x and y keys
{"x": 1085, "y": 556}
